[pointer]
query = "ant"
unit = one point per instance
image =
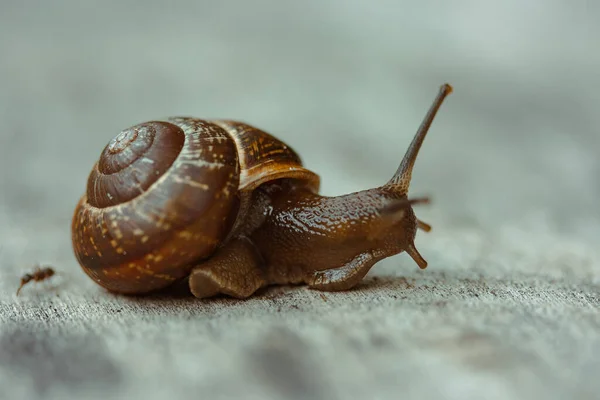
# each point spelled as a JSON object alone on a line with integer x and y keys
{"x": 39, "y": 274}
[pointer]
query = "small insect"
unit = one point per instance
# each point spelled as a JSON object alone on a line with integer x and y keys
{"x": 39, "y": 274}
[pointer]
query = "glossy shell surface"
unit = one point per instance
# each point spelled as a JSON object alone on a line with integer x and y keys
{"x": 165, "y": 194}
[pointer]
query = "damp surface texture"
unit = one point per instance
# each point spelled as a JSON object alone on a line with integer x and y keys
{"x": 508, "y": 307}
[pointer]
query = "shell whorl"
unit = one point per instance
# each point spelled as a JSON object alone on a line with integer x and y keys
{"x": 132, "y": 161}
{"x": 162, "y": 195}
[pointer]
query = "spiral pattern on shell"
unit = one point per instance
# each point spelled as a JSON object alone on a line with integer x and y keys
{"x": 165, "y": 194}
{"x": 162, "y": 195}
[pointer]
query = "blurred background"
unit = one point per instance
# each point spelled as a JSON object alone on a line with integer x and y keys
{"x": 344, "y": 82}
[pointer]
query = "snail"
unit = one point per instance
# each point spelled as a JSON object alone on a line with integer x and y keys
{"x": 232, "y": 209}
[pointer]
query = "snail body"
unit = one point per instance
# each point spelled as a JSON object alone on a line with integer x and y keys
{"x": 233, "y": 209}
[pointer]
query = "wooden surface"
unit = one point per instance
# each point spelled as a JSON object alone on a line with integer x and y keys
{"x": 509, "y": 306}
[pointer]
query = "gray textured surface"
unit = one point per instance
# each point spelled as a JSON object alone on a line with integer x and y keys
{"x": 508, "y": 307}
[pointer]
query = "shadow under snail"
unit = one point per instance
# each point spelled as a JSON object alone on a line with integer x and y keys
{"x": 233, "y": 209}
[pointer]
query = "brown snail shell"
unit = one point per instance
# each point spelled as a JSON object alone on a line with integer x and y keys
{"x": 166, "y": 194}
